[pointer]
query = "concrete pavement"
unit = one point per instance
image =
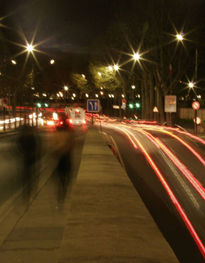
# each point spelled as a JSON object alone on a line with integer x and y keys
{"x": 103, "y": 220}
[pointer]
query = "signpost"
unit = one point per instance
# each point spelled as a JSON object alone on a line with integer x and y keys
{"x": 156, "y": 111}
{"x": 195, "y": 107}
{"x": 170, "y": 106}
{"x": 93, "y": 106}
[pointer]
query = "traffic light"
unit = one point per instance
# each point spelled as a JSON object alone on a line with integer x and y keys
{"x": 46, "y": 105}
{"x": 38, "y": 105}
{"x": 138, "y": 105}
{"x": 131, "y": 106}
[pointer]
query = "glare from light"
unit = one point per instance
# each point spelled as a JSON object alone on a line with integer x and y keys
{"x": 116, "y": 67}
{"x": 29, "y": 48}
{"x": 110, "y": 68}
{"x": 44, "y": 94}
{"x": 101, "y": 88}
{"x": 198, "y": 96}
{"x": 99, "y": 74}
{"x": 180, "y": 37}
{"x": 52, "y": 61}
{"x": 86, "y": 95}
{"x": 74, "y": 95}
{"x": 96, "y": 95}
{"x": 65, "y": 88}
{"x": 83, "y": 76}
{"x": 133, "y": 86}
{"x": 13, "y": 62}
{"x": 112, "y": 95}
{"x": 191, "y": 85}
{"x": 136, "y": 56}
{"x": 101, "y": 93}
{"x": 123, "y": 95}
{"x": 60, "y": 93}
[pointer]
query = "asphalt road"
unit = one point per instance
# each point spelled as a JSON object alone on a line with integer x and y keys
{"x": 167, "y": 168}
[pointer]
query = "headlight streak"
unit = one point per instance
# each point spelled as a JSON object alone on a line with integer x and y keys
{"x": 185, "y": 171}
{"x": 173, "y": 198}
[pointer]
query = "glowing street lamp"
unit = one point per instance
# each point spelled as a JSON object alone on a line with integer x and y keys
{"x": 136, "y": 56}
{"x": 13, "y": 62}
{"x": 110, "y": 68}
{"x": 116, "y": 67}
{"x": 29, "y": 48}
{"x": 133, "y": 86}
{"x": 86, "y": 95}
{"x": 52, "y": 61}
{"x": 191, "y": 85}
{"x": 179, "y": 37}
{"x": 65, "y": 88}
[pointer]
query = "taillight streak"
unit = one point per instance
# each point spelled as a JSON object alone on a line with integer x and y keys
{"x": 197, "y": 155}
{"x": 185, "y": 171}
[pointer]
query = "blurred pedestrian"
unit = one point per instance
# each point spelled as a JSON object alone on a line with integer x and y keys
{"x": 63, "y": 152}
{"x": 28, "y": 145}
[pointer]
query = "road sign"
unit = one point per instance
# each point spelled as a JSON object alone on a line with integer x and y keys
{"x": 93, "y": 105}
{"x": 195, "y": 105}
{"x": 170, "y": 103}
{"x": 155, "y": 109}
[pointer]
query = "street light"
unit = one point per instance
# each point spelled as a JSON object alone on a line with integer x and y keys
{"x": 52, "y": 61}
{"x": 65, "y": 88}
{"x": 13, "y": 62}
{"x": 29, "y": 48}
{"x": 116, "y": 67}
{"x": 133, "y": 86}
{"x": 136, "y": 56}
{"x": 191, "y": 85}
{"x": 110, "y": 68}
{"x": 86, "y": 95}
{"x": 180, "y": 37}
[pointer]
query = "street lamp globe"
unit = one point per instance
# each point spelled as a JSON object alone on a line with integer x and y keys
{"x": 116, "y": 67}
{"x": 110, "y": 68}
{"x": 191, "y": 85}
{"x": 52, "y": 61}
{"x": 179, "y": 36}
{"x": 136, "y": 56}
{"x": 133, "y": 86}
{"x": 29, "y": 48}
{"x": 65, "y": 88}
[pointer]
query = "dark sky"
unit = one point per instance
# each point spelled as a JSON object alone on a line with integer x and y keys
{"x": 66, "y": 25}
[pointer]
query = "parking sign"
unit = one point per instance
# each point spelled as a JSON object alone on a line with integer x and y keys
{"x": 93, "y": 105}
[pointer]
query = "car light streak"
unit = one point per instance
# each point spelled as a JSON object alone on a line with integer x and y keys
{"x": 197, "y": 155}
{"x": 170, "y": 193}
{"x": 123, "y": 131}
{"x": 185, "y": 171}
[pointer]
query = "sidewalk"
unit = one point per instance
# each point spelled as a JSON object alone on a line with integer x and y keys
{"x": 104, "y": 219}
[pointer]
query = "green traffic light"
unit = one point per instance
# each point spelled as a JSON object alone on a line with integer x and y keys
{"x": 137, "y": 105}
{"x": 38, "y": 105}
{"x": 131, "y": 106}
{"x": 46, "y": 105}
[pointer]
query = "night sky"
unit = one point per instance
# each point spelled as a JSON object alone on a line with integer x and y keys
{"x": 66, "y": 25}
